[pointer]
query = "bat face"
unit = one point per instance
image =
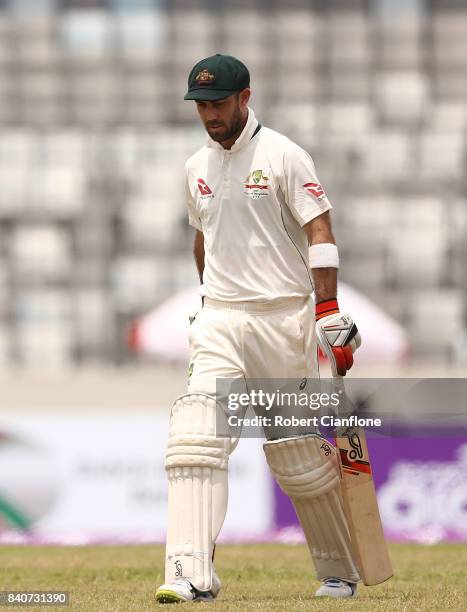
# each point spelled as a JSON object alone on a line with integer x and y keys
{"x": 361, "y": 508}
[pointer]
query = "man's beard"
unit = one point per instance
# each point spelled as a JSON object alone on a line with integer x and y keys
{"x": 229, "y": 132}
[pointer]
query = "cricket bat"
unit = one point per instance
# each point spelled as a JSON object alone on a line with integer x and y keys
{"x": 361, "y": 507}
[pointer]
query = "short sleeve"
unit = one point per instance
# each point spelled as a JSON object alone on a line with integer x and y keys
{"x": 193, "y": 216}
{"x": 304, "y": 194}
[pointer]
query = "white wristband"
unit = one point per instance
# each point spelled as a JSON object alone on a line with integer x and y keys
{"x": 324, "y": 255}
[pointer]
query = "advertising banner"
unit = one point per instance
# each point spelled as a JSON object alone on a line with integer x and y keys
{"x": 87, "y": 478}
{"x": 99, "y": 477}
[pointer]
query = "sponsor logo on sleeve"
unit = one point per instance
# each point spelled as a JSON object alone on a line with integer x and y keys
{"x": 315, "y": 189}
{"x": 204, "y": 190}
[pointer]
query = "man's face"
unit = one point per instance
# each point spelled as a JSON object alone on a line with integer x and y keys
{"x": 222, "y": 118}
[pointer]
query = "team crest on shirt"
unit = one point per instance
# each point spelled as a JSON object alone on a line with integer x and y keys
{"x": 256, "y": 185}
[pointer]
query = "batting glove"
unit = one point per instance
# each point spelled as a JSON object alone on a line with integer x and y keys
{"x": 337, "y": 335}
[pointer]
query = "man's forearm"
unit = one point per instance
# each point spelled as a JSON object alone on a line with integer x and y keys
{"x": 325, "y": 282}
{"x": 198, "y": 251}
{"x": 319, "y": 232}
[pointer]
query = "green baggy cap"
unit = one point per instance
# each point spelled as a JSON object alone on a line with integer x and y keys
{"x": 217, "y": 77}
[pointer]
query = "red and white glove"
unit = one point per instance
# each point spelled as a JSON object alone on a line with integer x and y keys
{"x": 337, "y": 335}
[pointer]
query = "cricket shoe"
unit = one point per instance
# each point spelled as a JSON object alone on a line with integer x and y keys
{"x": 182, "y": 590}
{"x": 335, "y": 587}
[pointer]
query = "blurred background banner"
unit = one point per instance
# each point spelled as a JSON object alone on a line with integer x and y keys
{"x": 100, "y": 478}
{"x": 96, "y": 269}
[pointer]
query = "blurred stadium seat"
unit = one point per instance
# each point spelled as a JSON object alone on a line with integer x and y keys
{"x": 402, "y": 96}
{"x": 44, "y": 334}
{"x": 41, "y": 254}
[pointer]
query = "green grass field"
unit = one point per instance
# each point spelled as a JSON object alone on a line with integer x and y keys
{"x": 255, "y": 577}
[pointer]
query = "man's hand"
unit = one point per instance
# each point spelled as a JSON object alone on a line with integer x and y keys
{"x": 337, "y": 335}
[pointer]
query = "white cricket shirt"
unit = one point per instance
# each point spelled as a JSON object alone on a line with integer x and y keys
{"x": 251, "y": 203}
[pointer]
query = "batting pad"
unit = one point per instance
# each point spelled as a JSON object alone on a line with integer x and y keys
{"x": 196, "y": 464}
{"x": 306, "y": 470}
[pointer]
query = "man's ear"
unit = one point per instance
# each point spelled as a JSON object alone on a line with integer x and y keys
{"x": 245, "y": 97}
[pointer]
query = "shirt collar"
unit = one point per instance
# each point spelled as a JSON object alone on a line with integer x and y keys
{"x": 243, "y": 139}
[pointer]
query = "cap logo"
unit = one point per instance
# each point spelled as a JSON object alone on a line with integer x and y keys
{"x": 204, "y": 77}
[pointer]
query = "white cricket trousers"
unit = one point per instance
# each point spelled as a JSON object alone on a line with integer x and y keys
{"x": 252, "y": 340}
